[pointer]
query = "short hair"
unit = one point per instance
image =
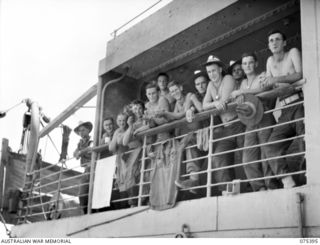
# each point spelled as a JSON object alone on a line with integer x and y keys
{"x": 163, "y": 74}
{"x": 274, "y": 31}
{"x": 173, "y": 83}
{"x": 152, "y": 84}
{"x": 109, "y": 118}
{"x": 252, "y": 54}
{"x": 138, "y": 102}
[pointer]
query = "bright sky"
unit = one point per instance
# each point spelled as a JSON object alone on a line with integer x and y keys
{"x": 49, "y": 52}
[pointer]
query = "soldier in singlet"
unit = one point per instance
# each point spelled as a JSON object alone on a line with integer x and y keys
{"x": 283, "y": 68}
{"x": 251, "y": 85}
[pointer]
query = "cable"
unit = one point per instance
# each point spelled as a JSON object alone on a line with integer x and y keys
{"x": 4, "y": 223}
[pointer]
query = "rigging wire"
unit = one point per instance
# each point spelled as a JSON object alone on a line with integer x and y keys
{"x": 4, "y": 113}
{"x": 54, "y": 145}
{"x": 4, "y": 223}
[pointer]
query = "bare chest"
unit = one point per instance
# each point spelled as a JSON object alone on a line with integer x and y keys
{"x": 282, "y": 68}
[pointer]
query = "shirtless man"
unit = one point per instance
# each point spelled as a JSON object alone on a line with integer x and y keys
{"x": 155, "y": 105}
{"x": 194, "y": 104}
{"x": 218, "y": 91}
{"x": 162, "y": 81}
{"x": 176, "y": 91}
{"x": 283, "y": 68}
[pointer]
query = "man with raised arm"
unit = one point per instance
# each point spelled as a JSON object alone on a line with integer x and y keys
{"x": 283, "y": 68}
{"x": 218, "y": 92}
{"x": 155, "y": 105}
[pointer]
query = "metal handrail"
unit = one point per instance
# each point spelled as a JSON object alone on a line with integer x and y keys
{"x": 114, "y": 33}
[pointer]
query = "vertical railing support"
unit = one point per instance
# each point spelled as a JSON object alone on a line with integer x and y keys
{"x": 95, "y": 142}
{"x": 209, "y": 178}
{"x": 143, "y": 158}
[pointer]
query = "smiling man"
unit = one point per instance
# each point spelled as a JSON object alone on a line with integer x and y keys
{"x": 218, "y": 92}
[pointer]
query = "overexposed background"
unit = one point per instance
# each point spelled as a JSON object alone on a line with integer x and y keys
{"x": 49, "y": 52}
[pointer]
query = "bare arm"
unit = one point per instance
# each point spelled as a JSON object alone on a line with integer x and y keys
{"x": 295, "y": 58}
{"x": 175, "y": 115}
{"x": 254, "y": 89}
{"x": 195, "y": 102}
{"x": 113, "y": 143}
{"x": 163, "y": 106}
{"x": 128, "y": 133}
{"x": 228, "y": 84}
{"x": 271, "y": 79}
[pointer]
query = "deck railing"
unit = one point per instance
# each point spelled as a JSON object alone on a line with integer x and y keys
{"x": 49, "y": 192}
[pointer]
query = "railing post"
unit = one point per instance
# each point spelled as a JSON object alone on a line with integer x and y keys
{"x": 143, "y": 158}
{"x": 209, "y": 179}
{"x": 95, "y": 143}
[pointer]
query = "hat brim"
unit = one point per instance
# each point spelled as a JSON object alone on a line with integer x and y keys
{"x": 256, "y": 117}
{"x": 200, "y": 74}
{"x": 88, "y": 125}
{"x": 219, "y": 63}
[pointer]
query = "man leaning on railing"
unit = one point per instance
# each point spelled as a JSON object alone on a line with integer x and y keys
{"x": 252, "y": 153}
{"x": 218, "y": 93}
{"x": 192, "y": 167}
{"x": 283, "y": 68}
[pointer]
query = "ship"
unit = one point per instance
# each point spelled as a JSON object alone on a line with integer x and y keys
{"x": 40, "y": 199}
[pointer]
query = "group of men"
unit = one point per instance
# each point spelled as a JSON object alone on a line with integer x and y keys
{"x": 214, "y": 88}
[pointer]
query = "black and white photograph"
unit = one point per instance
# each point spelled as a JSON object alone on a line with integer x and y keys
{"x": 160, "y": 119}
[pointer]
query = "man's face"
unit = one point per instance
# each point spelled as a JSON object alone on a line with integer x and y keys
{"x": 83, "y": 132}
{"x": 162, "y": 82}
{"x": 214, "y": 72}
{"x": 152, "y": 94}
{"x": 108, "y": 126}
{"x": 137, "y": 110}
{"x": 121, "y": 121}
{"x": 237, "y": 72}
{"x": 201, "y": 84}
{"x": 249, "y": 65}
{"x": 276, "y": 43}
{"x": 176, "y": 92}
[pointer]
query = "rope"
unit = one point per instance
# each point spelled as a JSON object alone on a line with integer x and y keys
{"x": 4, "y": 223}
{"x": 54, "y": 145}
{"x": 12, "y": 107}
{"x": 4, "y": 113}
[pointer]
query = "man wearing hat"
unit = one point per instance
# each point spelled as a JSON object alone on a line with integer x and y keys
{"x": 251, "y": 85}
{"x": 83, "y": 130}
{"x": 218, "y": 92}
{"x": 236, "y": 71}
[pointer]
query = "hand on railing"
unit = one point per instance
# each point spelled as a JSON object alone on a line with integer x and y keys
{"x": 266, "y": 82}
{"x": 190, "y": 115}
